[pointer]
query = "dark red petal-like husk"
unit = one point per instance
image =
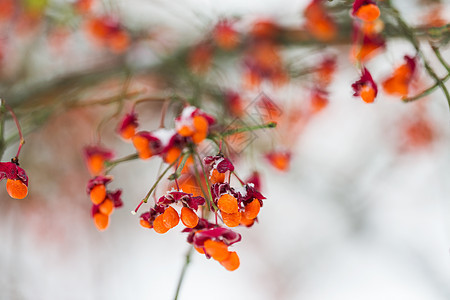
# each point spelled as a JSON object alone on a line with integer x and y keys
{"x": 225, "y": 165}
{"x": 115, "y": 197}
{"x": 411, "y": 61}
{"x": 225, "y": 235}
{"x": 366, "y": 79}
{"x": 96, "y": 181}
{"x": 198, "y": 112}
{"x": 251, "y": 194}
{"x": 9, "y": 170}
{"x": 194, "y": 202}
{"x": 255, "y": 178}
{"x": 129, "y": 119}
{"x": 92, "y": 150}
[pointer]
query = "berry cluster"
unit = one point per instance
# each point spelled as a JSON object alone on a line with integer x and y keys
{"x": 200, "y": 187}
{"x": 103, "y": 201}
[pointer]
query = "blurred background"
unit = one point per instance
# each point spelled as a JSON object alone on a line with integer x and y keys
{"x": 361, "y": 212}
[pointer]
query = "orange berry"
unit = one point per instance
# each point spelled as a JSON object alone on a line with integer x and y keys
{"x": 228, "y": 204}
{"x": 200, "y": 123}
{"x": 128, "y": 132}
{"x": 140, "y": 142}
{"x": 403, "y": 72}
{"x": 170, "y": 217}
{"x": 142, "y": 147}
{"x": 16, "y": 188}
{"x": 97, "y": 29}
{"x": 98, "y": 194}
{"x": 225, "y": 36}
{"x": 159, "y": 226}
{"x": 145, "y": 153}
{"x": 318, "y": 102}
{"x": 199, "y": 136}
{"x": 232, "y": 262}
{"x": 189, "y": 185}
{"x": 231, "y": 220}
{"x": 364, "y": 52}
{"x": 280, "y": 160}
{"x": 216, "y": 249}
{"x": 106, "y": 207}
{"x": 119, "y": 42}
{"x": 368, "y": 12}
{"x": 199, "y": 250}
{"x": 318, "y": 23}
{"x": 95, "y": 164}
{"x": 372, "y": 28}
{"x": 252, "y": 209}
{"x": 172, "y": 155}
{"x": 395, "y": 86}
{"x": 325, "y": 30}
{"x": 199, "y": 58}
{"x": 367, "y": 94}
{"x": 246, "y": 222}
{"x": 188, "y": 217}
{"x": 252, "y": 79}
{"x": 83, "y": 6}
{"x": 185, "y": 131}
{"x": 101, "y": 221}
{"x": 216, "y": 177}
{"x": 145, "y": 224}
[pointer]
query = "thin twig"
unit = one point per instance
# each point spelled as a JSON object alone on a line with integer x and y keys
{"x": 205, "y": 211}
{"x": 19, "y": 130}
{"x": 158, "y": 180}
{"x": 163, "y": 113}
{"x": 414, "y": 41}
{"x": 120, "y": 99}
{"x": 183, "y": 272}
{"x": 249, "y": 128}
{"x": 111, "y": 164}
{"x": 437, "y": 52}
{"x": 2, "y": 127}
{"x": 104, "y": 101}
{"x": 211, "y": 202}
{"x": 177, "y": 174}
{"x": 427, "y": 91}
